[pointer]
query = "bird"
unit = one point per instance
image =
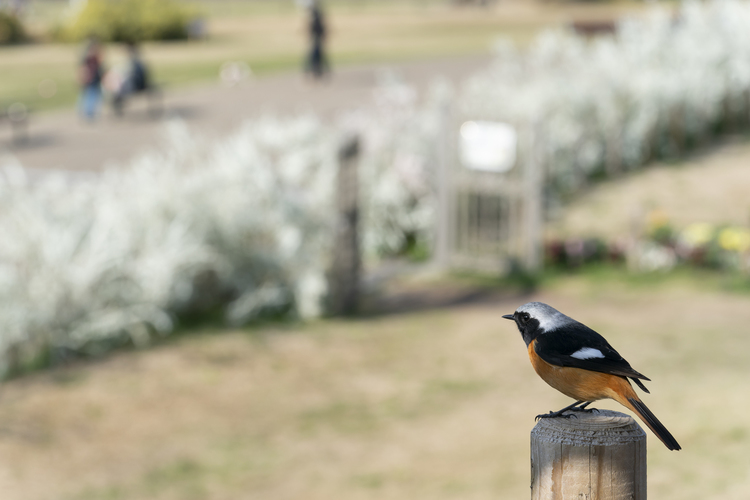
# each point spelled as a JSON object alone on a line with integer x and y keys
{"x": 580, "y": 363}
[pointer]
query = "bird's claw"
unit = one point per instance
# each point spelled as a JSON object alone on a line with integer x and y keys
{"x": 584, "y": 410}
{"x": 554, "y": 414}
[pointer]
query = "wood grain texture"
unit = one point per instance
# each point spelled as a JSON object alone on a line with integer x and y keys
{"x": 596, "y": 456}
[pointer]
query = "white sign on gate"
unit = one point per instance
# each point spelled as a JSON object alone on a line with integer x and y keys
{"x": 488, "y": 146}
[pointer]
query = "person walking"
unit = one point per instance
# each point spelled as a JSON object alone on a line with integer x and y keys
{"x": 90, "y": 79}
{"x": 135, "y": 80}
{"x": 317, "y": 62}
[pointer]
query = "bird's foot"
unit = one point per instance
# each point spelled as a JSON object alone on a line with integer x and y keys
{"x": 577, "y": 406}
{"x": 584, "y": 410}
{"x": 555, "y": 414}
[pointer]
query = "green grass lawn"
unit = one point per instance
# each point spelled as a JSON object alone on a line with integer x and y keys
{"x": 431, "y": 404}
{"x": 270, "y": 37}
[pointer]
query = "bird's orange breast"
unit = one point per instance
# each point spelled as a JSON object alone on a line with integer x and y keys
{"x": 576, "y": 383}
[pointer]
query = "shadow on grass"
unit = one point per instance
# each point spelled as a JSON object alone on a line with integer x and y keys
{"x": 453, "y": 290}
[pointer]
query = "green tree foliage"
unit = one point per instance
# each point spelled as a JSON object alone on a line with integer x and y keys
{"x": 11, "y": 29}
{"x": 129, "y": 21}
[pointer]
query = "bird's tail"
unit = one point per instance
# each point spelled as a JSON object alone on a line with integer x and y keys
{"x": 637, "y": 406}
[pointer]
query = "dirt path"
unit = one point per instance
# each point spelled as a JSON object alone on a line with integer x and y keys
{"x": 62, "y": 141}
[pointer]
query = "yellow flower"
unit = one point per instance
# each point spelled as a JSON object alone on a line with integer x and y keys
{"x": 657, "y": 219}
{"x": 735, "y": 239}
{"x": 698, "y": 234}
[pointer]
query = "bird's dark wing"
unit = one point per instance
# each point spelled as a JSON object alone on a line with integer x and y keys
{"x": 579, "y": 346}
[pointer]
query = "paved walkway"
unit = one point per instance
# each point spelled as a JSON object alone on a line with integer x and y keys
{"x": 62, "y": 141}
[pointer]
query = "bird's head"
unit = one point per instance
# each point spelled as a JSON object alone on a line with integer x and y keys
{"x": 536, "y": 318}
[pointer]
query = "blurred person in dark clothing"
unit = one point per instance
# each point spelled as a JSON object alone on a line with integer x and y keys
{"x": 134, "y": 80}
{"x": 90, "y": 78}
{"x": 317, "y": 62}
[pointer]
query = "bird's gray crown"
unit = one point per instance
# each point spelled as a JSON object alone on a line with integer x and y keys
{"x": 548, "y": 317}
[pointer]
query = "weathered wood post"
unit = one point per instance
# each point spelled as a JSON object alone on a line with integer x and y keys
{"x": 591, "y": 456}
{"x": 613, "y": 151}
{"x": 445, "y": 204}
{"x": 344, "y": 277}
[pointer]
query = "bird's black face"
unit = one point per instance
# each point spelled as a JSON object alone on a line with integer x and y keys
{"x": 526, "y": 325}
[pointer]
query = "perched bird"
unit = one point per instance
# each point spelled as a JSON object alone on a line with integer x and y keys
{"x": 581, "y": 364}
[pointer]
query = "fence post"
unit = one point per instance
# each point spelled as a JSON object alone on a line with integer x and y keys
{"x": 445, "y": 208}
{"x": 344, "y": 278}
{"x": 592, "y": 456}
{"x": 613, "y": 151}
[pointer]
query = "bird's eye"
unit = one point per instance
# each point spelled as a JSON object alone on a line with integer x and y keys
{"x": 524, "y": 318}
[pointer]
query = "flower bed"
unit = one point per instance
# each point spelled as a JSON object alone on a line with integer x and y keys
{"x": 720, "y": 247}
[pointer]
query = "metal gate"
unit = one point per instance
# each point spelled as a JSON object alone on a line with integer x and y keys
{"x": 489, "y": 221}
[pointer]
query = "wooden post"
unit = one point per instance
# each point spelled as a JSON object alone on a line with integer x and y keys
{"x": 444, "y": 233}
{"x": 613, "y": 151}
{"x": 346, "y": 267}
{"x": 591, "y": 456}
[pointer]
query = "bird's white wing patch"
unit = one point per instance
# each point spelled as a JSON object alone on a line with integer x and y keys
{"x": 587, "y": 353}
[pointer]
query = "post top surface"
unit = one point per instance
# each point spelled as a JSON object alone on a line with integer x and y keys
{"x": 601, "y": 427}
{"x": 597, "y": 419}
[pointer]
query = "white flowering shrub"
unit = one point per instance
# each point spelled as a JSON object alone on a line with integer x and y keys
{"x": 654, "y": 88}
{"x": 243, "y": 226}
{"x": 245, "y": 223}
{"x": 398, "y": 165}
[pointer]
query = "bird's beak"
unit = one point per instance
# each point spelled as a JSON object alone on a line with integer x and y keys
{"x": 509, "y": 316}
